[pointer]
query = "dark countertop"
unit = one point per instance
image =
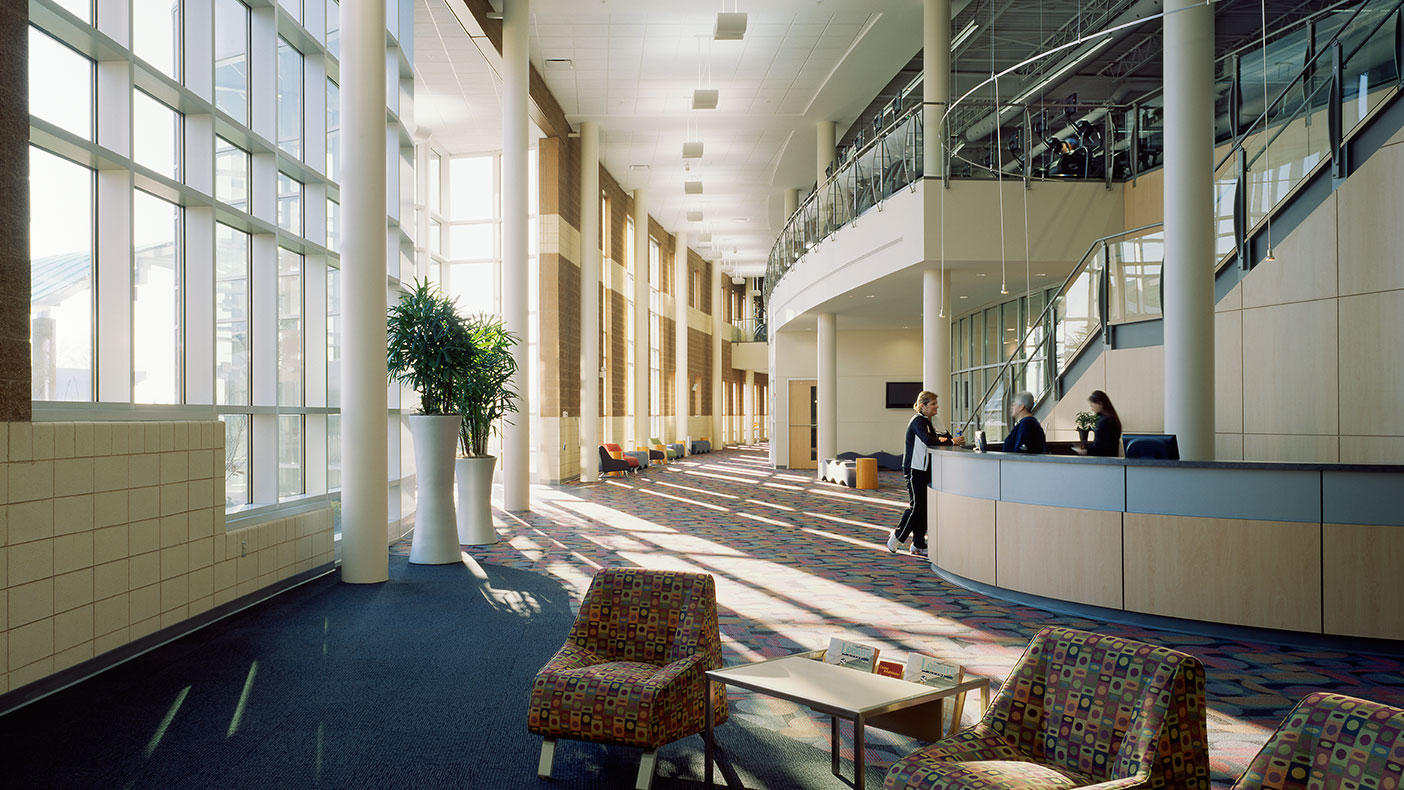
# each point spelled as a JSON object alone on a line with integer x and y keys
{"x": 1272, "y": 466}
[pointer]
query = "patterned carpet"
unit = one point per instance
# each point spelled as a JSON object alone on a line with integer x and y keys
{"x": 798, "y": 562}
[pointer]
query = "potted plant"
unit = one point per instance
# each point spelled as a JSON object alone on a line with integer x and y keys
{"x": 483, "y": 397}
{"x": 1085, "y": 421}
{"x": 428, "y": 346}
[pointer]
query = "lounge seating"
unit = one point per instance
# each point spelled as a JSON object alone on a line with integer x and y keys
{"x": 609, "y": 463}
{"x": 628, "y": 457}
{"x": 632, "y": 671}
{"x": 1331, "y": 742}
{"x": 1079, "y": 710}
{"x": 641, "y": 457}
{"x": 679, "y": 448}
{"x": 840, "y": 471}
{"x": 656, "y": 453}
{"x": 701, "y": 446}
{"x": 673, "y": 451}
{"x": 884, "y": 460}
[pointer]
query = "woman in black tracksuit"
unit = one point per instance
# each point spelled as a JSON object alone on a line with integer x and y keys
{"x": 920, "y": 436}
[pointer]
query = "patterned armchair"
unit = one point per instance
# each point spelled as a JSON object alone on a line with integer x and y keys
{"x": 1079, "y": 710}
{"x": 1331, "y": 742}
{"x": 632, "y": 671}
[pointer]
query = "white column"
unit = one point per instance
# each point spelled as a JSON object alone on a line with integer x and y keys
{"x": 828, "y": 389}
{"x": 1188, "y": 274}
{"x": 718, "y": 328}
{"x": 936, "y": 339}
{"x": 936, "y": 87}
{"x": 365, "y": 556}
{"x": 641, "y": 356}
{"x": 748, "y": 399}
{"x": 791, "y": 202}
{"x": 589, "y": 418}
{"x": 825, "y": 139}
{"x": 516, "y": 431}
{"x": 682, "y": 398}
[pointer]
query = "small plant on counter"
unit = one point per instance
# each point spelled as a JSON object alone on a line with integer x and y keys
{"x": 1086, "y": 421}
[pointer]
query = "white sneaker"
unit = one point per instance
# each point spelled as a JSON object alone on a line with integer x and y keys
{"x": 892, "y": 543}
{"x": 916, "y": 552}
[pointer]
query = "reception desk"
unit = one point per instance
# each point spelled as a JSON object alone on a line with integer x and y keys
{"x": 1315, "y": 548}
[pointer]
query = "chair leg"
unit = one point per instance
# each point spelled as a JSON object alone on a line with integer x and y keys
{"x": 647, "y": 764}
{"x": 548, "y": 756}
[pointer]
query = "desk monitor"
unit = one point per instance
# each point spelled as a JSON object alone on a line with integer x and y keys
{"x": 1151, "y": 445}
{"x": 982, "y": 443}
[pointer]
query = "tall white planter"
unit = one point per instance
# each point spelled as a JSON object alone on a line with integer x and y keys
{"x": 475, "y": 500}
{"x": 435, "y": 529}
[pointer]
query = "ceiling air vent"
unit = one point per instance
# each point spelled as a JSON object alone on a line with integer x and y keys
{"x": 559, "y": 64}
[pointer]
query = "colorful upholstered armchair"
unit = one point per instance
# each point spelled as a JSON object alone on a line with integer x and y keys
{"x": 673, "y": 451}
{"x": 1331, "y": 742}
{"x": 633, "y": 670}
{"x": 1079, "y": 710}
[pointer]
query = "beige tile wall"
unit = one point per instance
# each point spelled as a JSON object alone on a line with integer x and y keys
{"x": 111, "y": 531}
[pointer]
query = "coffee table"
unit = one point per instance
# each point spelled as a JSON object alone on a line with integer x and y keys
{"x": 863, "y": 698}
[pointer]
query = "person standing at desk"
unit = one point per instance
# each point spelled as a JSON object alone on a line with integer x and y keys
{"x": 1106, "y": 437}
{"x": 916, "y": 466}
{"x": 1027, "y": 435}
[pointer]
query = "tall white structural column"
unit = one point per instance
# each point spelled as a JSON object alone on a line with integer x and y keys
{"x": 516, "y": 433}
{"x": 681, "y": 397}
{"x": 718, "y": 438}
{"x": 589, "y": 418}
{"x": 1188, "y": 274}
{"x": 828, "y": 390}
{"x": 826, "y": 142}
{"x": 748, "y": 400}
{"x": 365, "y": 554}
{"x": 936, "y": 85}
{"x": 641, "y": 355}
{"x": 936, "y": 339}
{"x": 791, "y": 202}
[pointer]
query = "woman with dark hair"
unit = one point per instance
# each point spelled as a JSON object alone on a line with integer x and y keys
{"x": 1106, "y": 437}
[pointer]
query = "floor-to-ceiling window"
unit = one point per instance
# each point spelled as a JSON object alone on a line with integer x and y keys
{"x": 631, "y": 404}
{"x": 655, "y": 342}
{"x": 185, "y": 226}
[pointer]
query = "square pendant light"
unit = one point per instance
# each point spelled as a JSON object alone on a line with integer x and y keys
{"x": 692, "y": 150}
{"x": 730, "y": 27}
{"x": 694, "y": 216}
{"x": 692, "y": 187}
{"x": 704, "y": 99}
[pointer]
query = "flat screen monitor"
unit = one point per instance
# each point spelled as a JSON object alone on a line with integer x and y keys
{"x": 1151, "y": 445}
{"x": 902, "y": 394}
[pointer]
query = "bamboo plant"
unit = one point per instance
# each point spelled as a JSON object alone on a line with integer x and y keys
{"x": 481, "y": 393}
{"x": 428, "y": 347}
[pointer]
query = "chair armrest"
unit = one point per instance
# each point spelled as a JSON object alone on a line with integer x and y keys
{"x": 681, "y": 669}
{"x": 1129, "y": 783}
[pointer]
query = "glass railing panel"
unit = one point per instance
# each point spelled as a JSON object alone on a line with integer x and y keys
{"x": 1077, "y": 312}
{"x": 1283, "y": 58}
{"x": 1150, "y": 134}
{"x": 1369, "y": 73}
{"x": 1293, "y": 138}
{"x": 1225, "y": 195}
{"x": 1135, "y": 278}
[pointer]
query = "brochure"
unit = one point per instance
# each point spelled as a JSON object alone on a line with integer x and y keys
{"x": 851, "y": 654}
{"x": 931, "y": 671}
{"x": 890, "y": 669}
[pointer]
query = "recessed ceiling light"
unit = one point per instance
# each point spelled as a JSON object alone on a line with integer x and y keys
{"x": 692, "y": 150}
{"x": 730, "y": 27}
{"x": 692, "y": 187}
{"x": 638, "y": 168}
{"x": 980, "y": 274}
{"x": 1041, "y": 274}
{"x": 871, "y": 296}
{"x": 965, "y": 297}
{"x": 704, "y": 99}
{"x": 741, "y": 219}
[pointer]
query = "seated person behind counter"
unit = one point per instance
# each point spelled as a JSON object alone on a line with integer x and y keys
{"x": 1027, "y": 435}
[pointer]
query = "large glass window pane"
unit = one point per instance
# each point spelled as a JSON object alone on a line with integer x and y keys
{"x": 232, "y": 59}
{"x": 472, "y": 285}
{"x": 293, "y": 7}
{"x": 60, "y": 85}
{"x": 156, "y": 142}
{"x": 231, "y": 174}
{"x": 231, "y": 316}
{"x": 289, "y": 455}
{"x": 471, "y": 188}
{"x": 471, "y": 242}
{"x": 156, "y": 34}
{"x": 156, "y": 300}
{"x": 333, "y": 338}
{"x": 436, "y": 187}
{"x": 236, "y": 459}
{"x": 334, "y": 28}
{"x": 333, "y": 226}
{"x": 61, "y": 277}
{"x": 289, "y": 204}
{"x": 289, "y": 328}
{"x": 333, "y": 452}
{"x": 436, "y": 237}
{"x": 83, "y": 9}
{"x": 333, "y": 131}
{"x": 289, "y": 98}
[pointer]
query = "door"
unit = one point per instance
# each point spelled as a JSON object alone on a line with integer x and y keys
{"x": 804, "y": 424}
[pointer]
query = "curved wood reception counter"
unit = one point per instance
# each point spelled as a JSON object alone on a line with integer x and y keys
{"x": 1315, "y": 548}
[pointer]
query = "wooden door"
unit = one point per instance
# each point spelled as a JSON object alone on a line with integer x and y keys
{"x": 804, "y": 424}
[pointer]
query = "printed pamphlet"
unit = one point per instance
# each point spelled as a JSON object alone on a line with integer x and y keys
{"x": 851, "y": 654}
{"x": 890, "y": 669}
{"x": 931, "y": 671}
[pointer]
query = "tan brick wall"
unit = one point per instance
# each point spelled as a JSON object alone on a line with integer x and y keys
{"x": 111, "y": 531}
{"x": 14, "y": 212}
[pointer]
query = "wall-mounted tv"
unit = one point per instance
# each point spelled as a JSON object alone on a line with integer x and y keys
{"x": 902, "y": 394}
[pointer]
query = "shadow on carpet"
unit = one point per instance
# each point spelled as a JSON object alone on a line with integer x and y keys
{"x": 420, "y": 682}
